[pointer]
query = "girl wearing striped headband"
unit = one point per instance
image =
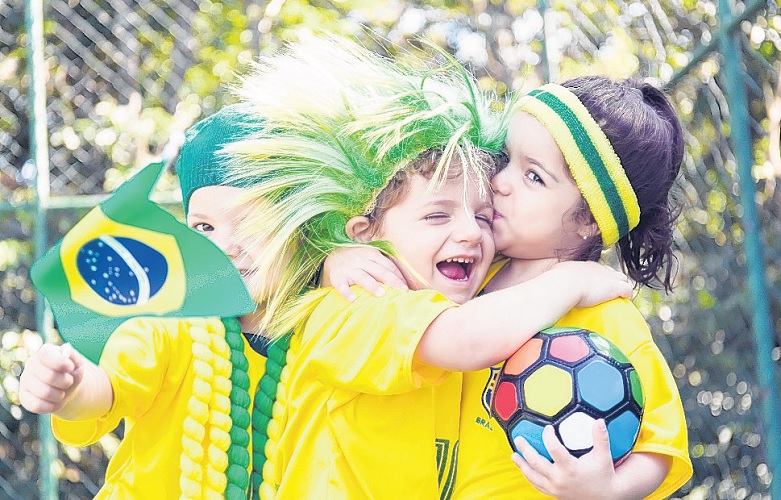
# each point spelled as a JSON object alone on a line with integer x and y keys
{"x": 591, "y": 164}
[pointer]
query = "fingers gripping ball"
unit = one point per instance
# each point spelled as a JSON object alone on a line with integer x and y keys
{"x": 569, "y": 378}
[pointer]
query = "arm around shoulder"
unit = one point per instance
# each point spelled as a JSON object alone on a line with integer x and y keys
{"x": 488, "y": 329}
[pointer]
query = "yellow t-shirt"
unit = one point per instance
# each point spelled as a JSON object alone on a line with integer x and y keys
{"x": 359, "y": 417}
{"x": 149, "y": 362}
{"x": 485, "y": 469}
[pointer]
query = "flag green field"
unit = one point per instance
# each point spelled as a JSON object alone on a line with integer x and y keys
{"x": 129, "y": 257}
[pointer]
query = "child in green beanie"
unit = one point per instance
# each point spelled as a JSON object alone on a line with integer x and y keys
{"x": 211, "y": 200}
{"x": 161, "y": 375}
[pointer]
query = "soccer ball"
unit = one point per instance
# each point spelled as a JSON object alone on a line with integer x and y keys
{"x": 569, "y": 378}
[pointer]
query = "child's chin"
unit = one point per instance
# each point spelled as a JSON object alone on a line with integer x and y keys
{"x": 458, "y": 296}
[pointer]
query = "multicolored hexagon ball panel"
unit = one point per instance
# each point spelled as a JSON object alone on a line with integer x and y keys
{"x": 569, "y": 378}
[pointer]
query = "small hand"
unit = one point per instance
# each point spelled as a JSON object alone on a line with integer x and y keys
{"x": 49, "y": 377}
{"x": 590, "y": 476}
{"x": 598, "y": 283}
{"x": 363, "y": 266}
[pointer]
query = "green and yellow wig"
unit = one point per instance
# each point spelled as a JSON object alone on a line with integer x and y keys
{"x": 340, "y": 121}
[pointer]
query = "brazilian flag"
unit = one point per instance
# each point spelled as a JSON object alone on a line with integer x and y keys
{"x": 129, "y": 257}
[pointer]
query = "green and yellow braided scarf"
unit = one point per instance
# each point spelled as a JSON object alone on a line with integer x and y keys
{"x": 219, "y": 408}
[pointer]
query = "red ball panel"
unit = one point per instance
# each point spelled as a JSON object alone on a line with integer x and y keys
{"x": 569, "y": 348}
{"x": 505, "y": 400}
{"x": 524, "y": 357}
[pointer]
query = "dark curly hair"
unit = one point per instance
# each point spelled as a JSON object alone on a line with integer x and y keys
{"x": 647, "y": 136}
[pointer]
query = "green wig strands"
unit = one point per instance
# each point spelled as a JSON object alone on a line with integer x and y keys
{"x": 339, "y": 122}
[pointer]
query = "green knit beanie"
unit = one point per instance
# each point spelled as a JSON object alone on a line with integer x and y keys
{"x": 201, "y": 162}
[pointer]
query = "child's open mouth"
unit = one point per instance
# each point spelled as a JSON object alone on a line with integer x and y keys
{"x": 457, "y": 268}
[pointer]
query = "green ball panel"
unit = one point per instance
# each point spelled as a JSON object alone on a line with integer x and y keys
{"x": 608, "y": 348}
{"x": 637, "y": 388}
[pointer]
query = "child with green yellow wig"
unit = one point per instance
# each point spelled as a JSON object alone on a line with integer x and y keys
{"x": 358, "y": 150}
{"x": 591, "y": 165}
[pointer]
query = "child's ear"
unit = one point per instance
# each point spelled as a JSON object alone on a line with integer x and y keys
{"x": 359, "y": 229}
{"x": 590, "y": 230}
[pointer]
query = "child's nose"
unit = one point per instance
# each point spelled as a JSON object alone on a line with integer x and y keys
{"x": 468, "y": 231}
{"x": 228, "y": 245}
{"x": 499, "y": 183}
{"x": 233, "y": 250}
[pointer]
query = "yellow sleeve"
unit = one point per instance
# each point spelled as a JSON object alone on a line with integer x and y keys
{"x": 663, "y": 427}
{"x": 136, "y": 360}
{"x": 368, "y": 345}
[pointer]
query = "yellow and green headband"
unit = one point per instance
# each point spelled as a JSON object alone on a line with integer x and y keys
{"x": 592, "y": 161}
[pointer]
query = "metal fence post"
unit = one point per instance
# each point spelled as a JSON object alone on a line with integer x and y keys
{"x": 39, "y": 155}
{"x": 549, "y": 68}
{"x": 755, "y": 259}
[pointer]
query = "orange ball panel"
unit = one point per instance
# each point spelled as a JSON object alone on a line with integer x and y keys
{"x": 523, "y": 357}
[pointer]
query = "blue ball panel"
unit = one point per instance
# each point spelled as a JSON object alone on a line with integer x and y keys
{"x": 601, "y": 384}
{"x": 532, "y": 433}
{"x": 622, "y": 431}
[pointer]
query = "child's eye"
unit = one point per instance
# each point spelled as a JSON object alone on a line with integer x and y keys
{"x": 437, "y": 217}
{"x": 202, "y": 227}
{"x": 485, "y": 219}
{"x": 534, "y": 178}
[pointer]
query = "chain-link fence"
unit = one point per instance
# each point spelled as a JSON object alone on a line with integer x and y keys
{"x": 123, "y": 78}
